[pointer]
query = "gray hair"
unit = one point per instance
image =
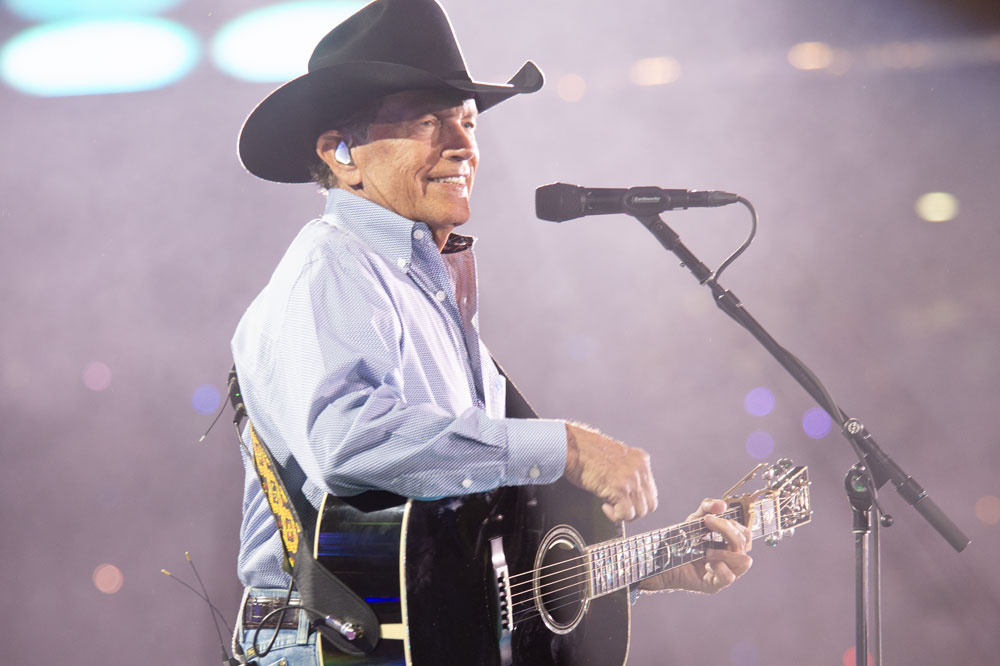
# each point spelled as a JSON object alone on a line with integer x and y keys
{"x": 356, "y": 129}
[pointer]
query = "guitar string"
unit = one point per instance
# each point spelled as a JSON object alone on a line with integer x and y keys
{"x": 699, "y": 554}
{"x": 657, "y": 560}
{"x": 636, "y": 539}
{"x": 573, "y": 597}
{"x": 529, "y": 610}
{"x": 582, "y": 574}
{"x": 733, "y": 513}
{"x": 587, "y": 556}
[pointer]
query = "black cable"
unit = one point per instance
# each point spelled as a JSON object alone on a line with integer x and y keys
{"x": 830, "y": 406}
{"x": 742, "y": 248}
{"x": 321, "y": 618}
{"x": 277, "y": 626}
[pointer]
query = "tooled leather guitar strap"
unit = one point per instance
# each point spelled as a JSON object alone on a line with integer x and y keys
{"x": 318, "y": 588}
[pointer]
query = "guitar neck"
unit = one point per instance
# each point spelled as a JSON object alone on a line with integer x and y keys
{"x": 618, "y": 563}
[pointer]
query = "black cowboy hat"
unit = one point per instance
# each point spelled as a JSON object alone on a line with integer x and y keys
{"x": 388, "y": 46}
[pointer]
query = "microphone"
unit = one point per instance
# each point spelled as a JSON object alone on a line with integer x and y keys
{"x": 560, "y": 202}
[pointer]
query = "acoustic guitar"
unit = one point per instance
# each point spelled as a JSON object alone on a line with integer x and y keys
{"x": 522, "y": 576}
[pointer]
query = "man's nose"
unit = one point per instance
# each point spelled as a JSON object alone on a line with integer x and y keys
{"x": 460, "y": 144}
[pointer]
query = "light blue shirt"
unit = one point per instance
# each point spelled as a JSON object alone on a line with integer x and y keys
{"x": 362, "y": 359}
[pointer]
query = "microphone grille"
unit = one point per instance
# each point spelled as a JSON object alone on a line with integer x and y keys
{"x": 559, "y": 202}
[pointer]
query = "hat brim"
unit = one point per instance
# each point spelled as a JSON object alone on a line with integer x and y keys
{"x": 278, "y": 139}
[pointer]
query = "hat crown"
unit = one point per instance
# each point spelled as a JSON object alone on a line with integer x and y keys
{"x": 416, "y": 33}
{"x": 386, "y": 47}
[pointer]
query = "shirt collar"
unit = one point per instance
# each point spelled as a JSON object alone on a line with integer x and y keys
{"x": 389, "y": 234}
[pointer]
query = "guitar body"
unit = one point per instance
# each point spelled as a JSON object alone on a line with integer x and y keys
{"x": 430, "y": 566}
{"x": 522, "y": 576}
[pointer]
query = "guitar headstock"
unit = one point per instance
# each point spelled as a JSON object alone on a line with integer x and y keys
{"x": 775, "y": 511}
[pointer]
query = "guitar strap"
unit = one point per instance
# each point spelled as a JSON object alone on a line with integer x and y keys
{"x": 319, "y": 590}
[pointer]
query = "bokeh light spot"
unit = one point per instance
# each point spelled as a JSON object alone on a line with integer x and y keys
{"x": 97, "y": 376}
{"x": 759, "y": 401}
{"x": 743, "y": 654}
{"x": 654, "y": 71}
{"x": 816, "y": 423}
{"x": 988, "y": 510}
{"x": 273, "y": 43}
{"x": 48, "y": 10}
{"x": 850, "y": 657}
{"x": 205, "y": 399}
{"x": 93, "y": 57}
{"x": 937, "y": 207}
{"x": 810, "y": 56}
{"x": 760, "y": 444}
{"x": 571, "y": 88}
{"x": 108, "y": 578}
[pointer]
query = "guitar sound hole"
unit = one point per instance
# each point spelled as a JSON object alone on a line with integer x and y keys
{"x": 560, "y": 580}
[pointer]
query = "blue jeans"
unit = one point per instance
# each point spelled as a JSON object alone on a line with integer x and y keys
{"x": 292, "y": 647}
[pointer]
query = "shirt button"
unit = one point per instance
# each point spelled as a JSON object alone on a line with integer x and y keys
{"x": 418, "y": 234}
{"x": 401, "y": 262}
{"x": 440, "y": 295}
{"x": 467, "y": 483}
{"x": 534, "y": 472}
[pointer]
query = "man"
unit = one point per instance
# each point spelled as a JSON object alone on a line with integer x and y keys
{"x": 360, "y": 363}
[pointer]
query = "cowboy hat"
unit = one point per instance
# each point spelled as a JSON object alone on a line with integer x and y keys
{"x": 386, "y": 47}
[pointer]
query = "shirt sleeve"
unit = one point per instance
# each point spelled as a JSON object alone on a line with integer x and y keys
{"x": 320, "y": 366}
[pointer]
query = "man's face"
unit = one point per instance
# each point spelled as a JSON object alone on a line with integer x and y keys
{"x": 421, "y": 158}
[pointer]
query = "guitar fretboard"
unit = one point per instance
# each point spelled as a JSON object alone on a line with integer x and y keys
{"x": 618, "y": 563}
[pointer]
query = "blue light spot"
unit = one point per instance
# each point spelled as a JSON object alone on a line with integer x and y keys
{"x": 92, "y": 57}
{"x": 48, "y": 10}
{"x": 760, "y": 444}
{"x": 760, "y": 401}
{"x": 274, "y": 43}
{"x": 205, "y": 399}
{"x": 816, "y": 423}
{"x": 743, "y": 654}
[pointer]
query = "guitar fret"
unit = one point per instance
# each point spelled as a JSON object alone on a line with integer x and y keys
{"x": 633, "y": 562}
{"x": 618, "y": 565}
{"x": 607, "y": 568}
{"x": 624, "y": 564}
{"x": 641, "y": 544}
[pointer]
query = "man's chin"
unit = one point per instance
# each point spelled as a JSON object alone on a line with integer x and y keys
{"x": 451, "y": 218}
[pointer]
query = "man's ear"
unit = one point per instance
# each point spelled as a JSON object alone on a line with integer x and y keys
{"x": 332, "y": 147}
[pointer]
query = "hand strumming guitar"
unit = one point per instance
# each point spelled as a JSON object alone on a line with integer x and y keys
{"x": 616, "y": 473}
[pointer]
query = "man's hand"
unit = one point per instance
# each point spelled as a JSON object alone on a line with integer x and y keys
{"x": 618, "y": 474}
{"x": 720, "y": 568}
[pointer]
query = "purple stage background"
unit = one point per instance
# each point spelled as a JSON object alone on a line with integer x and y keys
{"x": 131, "y": 241}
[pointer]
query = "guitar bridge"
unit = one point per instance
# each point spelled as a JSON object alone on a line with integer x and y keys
{"x": 505, "y": 611}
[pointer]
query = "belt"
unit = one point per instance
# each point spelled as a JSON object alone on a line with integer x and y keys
{"x": 257, "y": 608}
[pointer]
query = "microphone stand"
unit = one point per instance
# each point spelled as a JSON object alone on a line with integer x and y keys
{"x": 863, "y": 480}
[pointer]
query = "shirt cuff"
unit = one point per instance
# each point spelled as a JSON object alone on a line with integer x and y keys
{"x": 536, "y": 451}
